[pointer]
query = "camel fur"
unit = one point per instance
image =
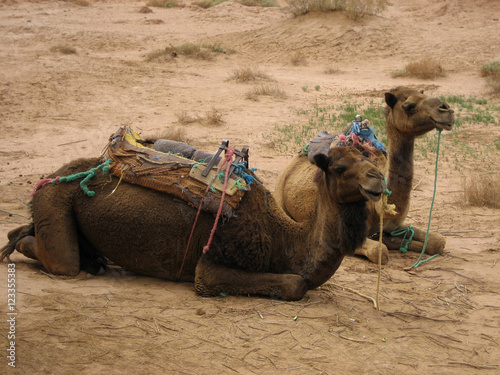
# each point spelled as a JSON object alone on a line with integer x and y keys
{"x": 409, "y": 114}
{"x": 260, "y": 251}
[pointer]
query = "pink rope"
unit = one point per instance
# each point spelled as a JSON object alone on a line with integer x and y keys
{"x": 228, "y": 156}
{"x": 42, "y": 183}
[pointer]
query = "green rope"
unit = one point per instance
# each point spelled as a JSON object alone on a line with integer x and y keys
{"x": 305, "y": 149}
{"x": 86, "y": 177}
{"x": 420, "y": 261}
{"x": 405, "y": 231}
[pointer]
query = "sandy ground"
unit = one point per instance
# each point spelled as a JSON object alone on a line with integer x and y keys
{"x": 441, "y": 318}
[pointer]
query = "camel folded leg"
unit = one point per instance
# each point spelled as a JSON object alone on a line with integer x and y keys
{"x": 55, "y": 244}
{"x": 370, "y": 250}
{"x": 212, "y": 279}
{"x": 435, "y": 243}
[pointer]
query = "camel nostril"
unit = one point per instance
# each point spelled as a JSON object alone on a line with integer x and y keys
{"x": 375, "y": 174}
{"x": 444, "y": 107}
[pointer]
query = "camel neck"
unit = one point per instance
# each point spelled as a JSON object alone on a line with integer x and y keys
{"x": 333, "y": 231}
{"x": 401, "y": 148}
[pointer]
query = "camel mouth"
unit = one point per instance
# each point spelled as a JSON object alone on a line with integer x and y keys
{"x": 444, "y": 125}
{"x": 370, "y": 194}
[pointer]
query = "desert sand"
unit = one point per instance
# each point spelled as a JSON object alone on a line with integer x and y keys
{"x": 440, "y": 318}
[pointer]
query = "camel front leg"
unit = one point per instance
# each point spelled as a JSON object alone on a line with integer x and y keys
{"x": 435, "y": 243}
{"x": 213, "y": 279}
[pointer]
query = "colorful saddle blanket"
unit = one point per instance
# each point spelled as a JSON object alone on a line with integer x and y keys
{"x": 358, "y": 133}
{"x": 172, "y": 173}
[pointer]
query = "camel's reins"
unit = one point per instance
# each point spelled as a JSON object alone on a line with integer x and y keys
{"x": 420, "y": 261}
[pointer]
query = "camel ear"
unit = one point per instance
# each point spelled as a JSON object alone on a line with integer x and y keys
{"x": 321, "y": 161}
{"x": 390, "y": 99}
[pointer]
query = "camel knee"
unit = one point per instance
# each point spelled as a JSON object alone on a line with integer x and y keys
{"x": 26, "y": 246}
{"x": 19, "y": 231}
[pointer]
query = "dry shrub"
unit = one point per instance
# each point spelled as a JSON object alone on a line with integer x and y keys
{"x": 154, "y": 22}
{"x": 65, "y": 50}
{"x": 298, "y": 59}
{"x": 331, "y": 70}
{"x": 81, "y": 3}
{"x": 256, "y": 3}
{"x": 482, "y": 190}
{"x": 355, "y": 9}
{"x": 184, "y": 118}
{"x": 491, "y": 72}
{"x": 213, "y": 117}
{"x": 426, "y": 68}
{"x": 249, "y": 74}
{"x": 187, "y": 49}
{"x": 266, "y": 90}
{"x": 205, "y": 4}
{"x": 145, "y": 10}
{"x": 174, "y": 134}
{"x": 162, "y": 3}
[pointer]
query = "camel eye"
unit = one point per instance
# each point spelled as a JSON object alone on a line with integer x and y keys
{"x": 340, "y": 169}
{"x": 409, "y": 107}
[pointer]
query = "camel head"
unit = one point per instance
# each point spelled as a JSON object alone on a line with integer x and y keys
{"x": 350, "y": 177}
{"x": 413, "y": 113}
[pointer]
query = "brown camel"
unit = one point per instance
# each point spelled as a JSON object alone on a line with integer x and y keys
{"x": 261, "y": 251}
{"x": 409, "y": 114}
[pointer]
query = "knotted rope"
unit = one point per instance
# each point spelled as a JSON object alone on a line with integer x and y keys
{"x": 83, "y": 184}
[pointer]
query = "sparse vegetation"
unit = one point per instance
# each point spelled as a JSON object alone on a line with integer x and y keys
{"x": 354, "y": 9}
{"x": 205, "y": 4}
{"x": 266, "y": 90}
{"x": 162, "y": 3}
{"x": 65, "y": 50}
{"x": 317, "y": 87}
{"x": 249, "y": 74}
{"x": 482, "y": 190}
{"x": 304, "y": 88}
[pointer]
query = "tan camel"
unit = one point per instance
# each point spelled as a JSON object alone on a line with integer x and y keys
{"x": 261, "y": 251}
{"x": 409, "y": 114}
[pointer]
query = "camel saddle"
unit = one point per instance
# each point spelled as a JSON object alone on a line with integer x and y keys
{"x": 191, "y": 180}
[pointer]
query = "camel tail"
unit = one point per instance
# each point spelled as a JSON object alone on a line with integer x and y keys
{"x": 11, "y": 245}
